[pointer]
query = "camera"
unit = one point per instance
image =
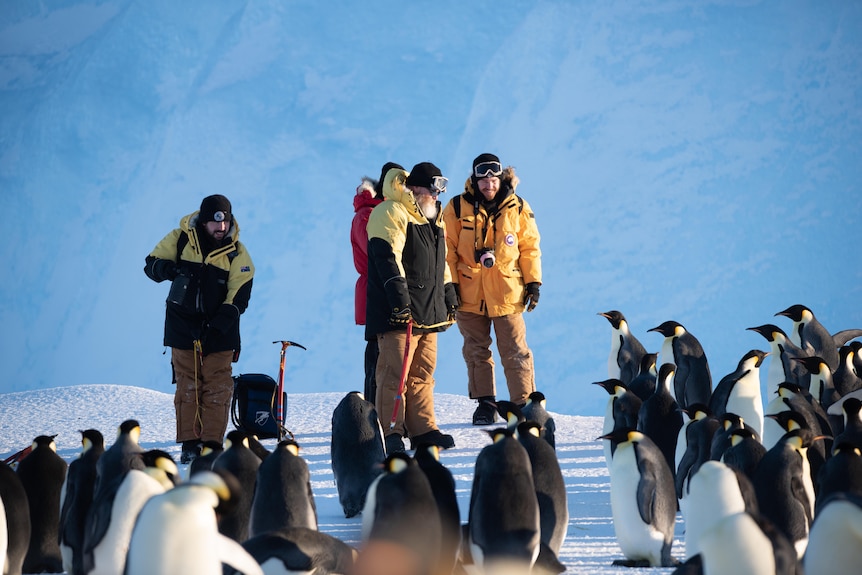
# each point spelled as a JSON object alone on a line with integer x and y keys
{"x": 486, "y": 257}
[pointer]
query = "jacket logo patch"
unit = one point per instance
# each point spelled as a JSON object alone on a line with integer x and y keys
{"x": 245, "y": 269}
{"x": 510, "y": 239}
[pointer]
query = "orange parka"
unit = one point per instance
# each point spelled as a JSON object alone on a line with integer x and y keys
{"x": 509, "y": 228}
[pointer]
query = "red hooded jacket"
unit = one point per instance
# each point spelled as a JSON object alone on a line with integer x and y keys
{"x": 363, "y": 202}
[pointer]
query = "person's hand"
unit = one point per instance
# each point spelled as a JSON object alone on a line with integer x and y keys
{"x": 165, "y": 269}
{"x": 224, "y": 319}
{"x": 453, "y": 299}
{"x": 531, "y": 298}
{"x": 400, "y": 317}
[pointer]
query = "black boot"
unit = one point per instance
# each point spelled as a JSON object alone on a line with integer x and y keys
{"x": 433, "y": 437}
{"x": 191, "y": 450}
{"x": 486, "y": 413}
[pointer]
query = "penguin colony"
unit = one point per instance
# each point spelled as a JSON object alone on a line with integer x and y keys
{"x": 765, "y": 485}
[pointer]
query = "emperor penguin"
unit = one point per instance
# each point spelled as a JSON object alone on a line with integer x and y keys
{"x": 728, "y": 423}
{"x": 626, "y": 351}
{"x": 643, "y": 384}
{"x": 660, "y": 418}
{"x": 811, "y": 335}
{"x": 283, "y": 497}
{"x": 692, "y": 380}
{"x": 791, "y": 397}
{"x": 535, "y": 410}
{"x": 739, "y": 391}
{"x": 621, "y": 410}
{"x": 785, "y": 492}
{"x": 442, "y": 483}
{"x": 851, "y": 420}
{"x": 643, "y": 500}
{"x": 210, "y": 449}
{"x": 783, "y": 359}
{"x": 835, "y": 543}
{"x": 400, "y": 509}
{"x": 695, "y": 450}
{"x": 746, "y": 543}
{"x": 121, "y": 456}
{"x": 551, "y": 493}
{"x": 503, "y": 525}
{"x": 842, "y": 473}
{"x": 299, "y": 550}
{"x": 107, "y": 540}
{"x": 77, "y": 498}
{"x": 241, "y": 462}
{"x": 357, "y": 450}
{"x": 714, "y": 493}
{"x": 42, "y": 474}
{"x": 817, "y": 453}
{"x": 744, "y": 452}
{"x": 510, "y": 412}
{"x": 844, "y": 378}
{"x": 176, "y": 532}
{"x": 821, "y": 387}
{"x": 14, "y": 521}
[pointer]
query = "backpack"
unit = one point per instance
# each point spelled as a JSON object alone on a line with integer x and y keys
{"x": 254, "y": 404}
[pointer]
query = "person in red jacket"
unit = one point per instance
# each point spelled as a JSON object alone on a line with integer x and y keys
{"x": 368, "y": 194}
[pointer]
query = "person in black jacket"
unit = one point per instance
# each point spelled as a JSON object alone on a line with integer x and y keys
{"x": 211, "y": 276}
{"x": 408, "y": 283}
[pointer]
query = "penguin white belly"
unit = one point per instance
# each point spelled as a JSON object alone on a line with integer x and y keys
{"x": 714, "y": 494}
{"x": 745, "y": 400}
{"x": 637, "y": 539}
{"x": 774, "y": 375}
{"x": 109, "y": 556}
{"x": 4, "y": 537}
{"x": 836, "y": 540}
{"x": 736, "y": 544}
{"x": 614, "y": 371}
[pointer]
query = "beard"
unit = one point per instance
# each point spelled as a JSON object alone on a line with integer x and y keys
{"x": 427, "y": 205}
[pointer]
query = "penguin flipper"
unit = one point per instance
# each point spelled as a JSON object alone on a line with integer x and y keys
{"x": 842, "y": 337}
{"x": 236, "y": 556}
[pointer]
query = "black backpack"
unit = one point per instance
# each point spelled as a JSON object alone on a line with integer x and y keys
{"x": 254, "y": 404}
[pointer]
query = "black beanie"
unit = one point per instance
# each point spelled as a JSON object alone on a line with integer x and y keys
{"x": 214, "y": 208}
{"x": 378, "y": 187}
{"x": 423, "y": 174}
{"x": 485, "y": 158}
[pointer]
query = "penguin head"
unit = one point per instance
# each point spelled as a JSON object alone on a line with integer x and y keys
{"x": 623, "y": 435}
{"x": 611, "y": 385}
{"x": 159, "y": 465}
{"x": 427, "y": 450}
{"x": 526, "y": 428}
{"x": 796, "y": 313}
{"x": 290, "y": 446}
{"x": 789, "y": 420}
{"x": 769, "y": 331}
{"x": 223, "y": 484}
{"x": 510, "y": 412}
{"x": 737, "y": 436}
{"x": 814, "y": 365}
{"x": 92, "y": 439}
{"x": 669, "y": 328}
{"x": 753, "y": 359}
{"x": 697, "y": 411}
{"x": 397, "y": 462}
{"x": 132, "y": 428}
{"x": 236, "y": 439}
{"x": 45, "y": 442}
{"x": 211, "y": 446}
{"x": 615, "y": 318}
{"x": 500, "y": 434}
{"x": 537, "y": 397}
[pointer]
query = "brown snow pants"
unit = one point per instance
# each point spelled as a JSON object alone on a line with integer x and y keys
{"x": 415, "y": 414}
{"x": 516, "y": 357}
{"x": 203, "y": 394}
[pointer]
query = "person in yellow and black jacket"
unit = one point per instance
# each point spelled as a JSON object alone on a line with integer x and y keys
{"x": 408, "y": 282}
{"x": 211, "y": 276}
{"x": 495, "y": 260}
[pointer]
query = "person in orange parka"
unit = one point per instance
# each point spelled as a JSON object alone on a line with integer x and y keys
{"x": 369, "y": 193}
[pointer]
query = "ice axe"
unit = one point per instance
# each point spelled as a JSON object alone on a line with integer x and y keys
{"x": 405, "y": 367}
{"x": 279, "y": 410}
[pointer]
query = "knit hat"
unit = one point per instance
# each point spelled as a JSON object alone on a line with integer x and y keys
{"x": 423, "y": 174}
{"x": 215, "y": 208}
{"x": 481, "y": 159}
{"x": 378, "y": 187}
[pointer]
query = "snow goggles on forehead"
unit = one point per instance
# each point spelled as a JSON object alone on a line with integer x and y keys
{"x": 488, "y": 169}
{"x": 220, "y": 216}
{"x": 438, "y": 184}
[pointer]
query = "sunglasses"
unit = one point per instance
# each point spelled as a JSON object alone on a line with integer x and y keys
{"x": 488, "y": 169}
{"x": 438, "y": 184}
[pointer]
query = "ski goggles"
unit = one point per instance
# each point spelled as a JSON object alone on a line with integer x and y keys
{"x": 221, "y": 216}
{"x": 488, "y": 169}
{"x": 438, "y": 184}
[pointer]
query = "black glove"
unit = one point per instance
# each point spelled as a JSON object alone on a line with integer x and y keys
{"x": 531, "y": 298}
{"x": 452, "y": 298}
{"x": 224, "y": 319}
{"x": 165, "y": 269}
{"x": 400, "y": 317}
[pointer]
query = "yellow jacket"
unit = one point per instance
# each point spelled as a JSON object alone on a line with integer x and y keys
{"x": 509, "y": 228}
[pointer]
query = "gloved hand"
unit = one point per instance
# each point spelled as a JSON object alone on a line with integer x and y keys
{"x": 165, "y": 269}
{"x": 531, "y": 298}
{"x": 453, "y": 299}
{"x": 400, "y": 317}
